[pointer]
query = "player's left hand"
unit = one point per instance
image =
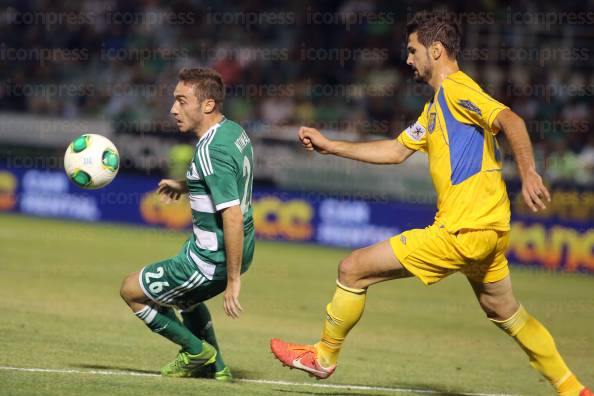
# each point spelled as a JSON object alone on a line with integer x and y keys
{"x": 231, "y": 299}
{"x": 171, "y": 190}
{"x": 534, "y": 191}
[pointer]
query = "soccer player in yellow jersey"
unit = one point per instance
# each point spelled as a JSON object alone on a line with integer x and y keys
{"x": 456, "y": 129}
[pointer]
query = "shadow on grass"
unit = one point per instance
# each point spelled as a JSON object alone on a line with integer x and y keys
{"x": 237, "y": 374}
{"x": 115, "y": 368}
{"x": 243, "y": 374}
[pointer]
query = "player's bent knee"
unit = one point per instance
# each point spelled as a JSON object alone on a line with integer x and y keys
{"x": 124, "y": 290}
{"x": 498, "y": 308}
{"x": 347, "y": 273}
{"x": 130, "y": 290}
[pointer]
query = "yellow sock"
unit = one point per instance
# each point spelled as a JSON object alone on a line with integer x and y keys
{"x": 343, "y": 312}
{"x": 540, "y": 347}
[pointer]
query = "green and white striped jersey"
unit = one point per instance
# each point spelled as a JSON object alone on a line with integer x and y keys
{"x": 220, "y": 176}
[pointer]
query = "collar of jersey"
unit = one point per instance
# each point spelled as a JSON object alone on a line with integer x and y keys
{"x": 448, "y": 77}
{"x": 212, "y": 128}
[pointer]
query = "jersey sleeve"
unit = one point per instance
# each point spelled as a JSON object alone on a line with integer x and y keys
{"x": 415, "y": 136}
{"x": 476, "y": 106}
{"x": 220, "y": 175}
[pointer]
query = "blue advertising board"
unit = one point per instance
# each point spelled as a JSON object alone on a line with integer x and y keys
{"x": 553, "y": 240}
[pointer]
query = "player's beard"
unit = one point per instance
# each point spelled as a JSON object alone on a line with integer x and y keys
{"x": 422, "y": 76}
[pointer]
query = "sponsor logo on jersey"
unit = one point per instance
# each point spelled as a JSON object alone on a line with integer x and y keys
{"x": 468, "y": 105}
{"x": 416, "y": 131}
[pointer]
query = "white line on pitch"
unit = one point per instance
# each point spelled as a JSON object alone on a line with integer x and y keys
{"x": 252, "y": 381}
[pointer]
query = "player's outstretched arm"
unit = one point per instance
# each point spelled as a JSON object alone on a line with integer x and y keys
{"x": 233, "y": 237}
{"x": 171, "y": 189}
{"x": 389, "y": 151}
{"x": 514, "y": 128}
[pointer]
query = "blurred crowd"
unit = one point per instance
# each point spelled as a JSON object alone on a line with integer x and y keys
{"x": 337, "y": 65}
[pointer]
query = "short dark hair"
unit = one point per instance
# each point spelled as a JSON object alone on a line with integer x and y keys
{"x": 208, "y": 83}
{"x": 439, "y": 26}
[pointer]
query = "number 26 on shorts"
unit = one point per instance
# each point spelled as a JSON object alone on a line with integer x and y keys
{"x": 155, "y": 287}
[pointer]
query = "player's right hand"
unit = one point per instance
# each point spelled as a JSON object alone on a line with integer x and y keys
{"x": 534, "y": 191}
{"x": 171, "y": 190}
{"x": 231, "y": 303}
{"x": 312, "y": 139}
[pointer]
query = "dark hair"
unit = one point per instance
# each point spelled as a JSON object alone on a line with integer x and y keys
{"x": 439, "y": 26}
{"x": 208, "y": 83}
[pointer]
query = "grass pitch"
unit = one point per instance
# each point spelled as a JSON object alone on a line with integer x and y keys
{"x": 61, "y": 310}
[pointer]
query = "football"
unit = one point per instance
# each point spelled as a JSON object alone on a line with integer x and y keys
{"x": 91, "y": 161}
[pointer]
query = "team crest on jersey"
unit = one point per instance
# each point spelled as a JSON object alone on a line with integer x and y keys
{"x": 468, "y": 105}
{"x": 416, "y": 131}
{"x": 192, "y": 173}
{"x": 431, "y": 122}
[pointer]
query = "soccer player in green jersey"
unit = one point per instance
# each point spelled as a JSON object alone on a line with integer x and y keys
{"x": 219, "y": 184}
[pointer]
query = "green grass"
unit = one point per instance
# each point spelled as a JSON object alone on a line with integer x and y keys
{"x": 61, "y": 309}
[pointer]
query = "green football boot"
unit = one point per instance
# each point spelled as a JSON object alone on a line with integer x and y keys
{"x": 185, "y": 364}
{"x": 223, "y": 375}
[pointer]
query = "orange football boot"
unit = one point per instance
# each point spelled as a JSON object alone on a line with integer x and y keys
{"x": 586, "y": 392}
{"x": 302, "y": 357}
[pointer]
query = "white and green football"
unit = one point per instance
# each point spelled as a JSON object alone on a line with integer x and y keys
{"x": 91, "y": 161}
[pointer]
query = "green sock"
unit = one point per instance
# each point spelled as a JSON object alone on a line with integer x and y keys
{"x": 199, "y": 321}
{"x": 169, "y": 312}
{"x": 167, "y": 325}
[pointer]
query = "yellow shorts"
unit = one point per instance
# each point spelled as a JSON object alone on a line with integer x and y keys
{"x": 432, "y": 253}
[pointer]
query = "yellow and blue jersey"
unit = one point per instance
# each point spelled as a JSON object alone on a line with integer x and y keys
{"x": 456, "y": 130}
